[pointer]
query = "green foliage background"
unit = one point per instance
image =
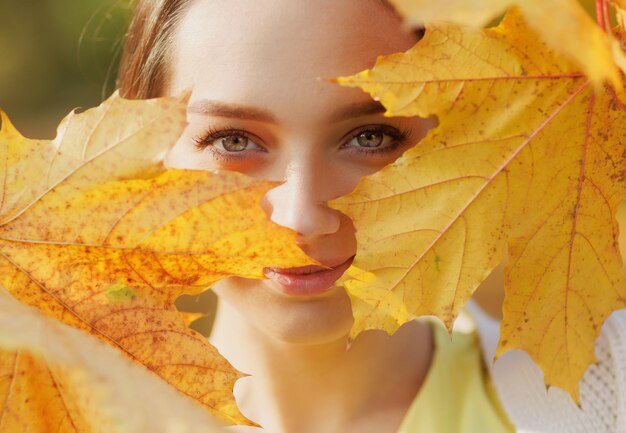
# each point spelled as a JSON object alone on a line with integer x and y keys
{"x": 57, "y": 55}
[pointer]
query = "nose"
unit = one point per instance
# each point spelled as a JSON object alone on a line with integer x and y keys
{"x": 300, "y": 202}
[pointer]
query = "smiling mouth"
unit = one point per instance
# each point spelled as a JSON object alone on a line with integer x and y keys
{"x": 306, "y": 280}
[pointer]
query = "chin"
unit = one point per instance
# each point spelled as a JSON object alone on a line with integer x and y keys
{"x": 310, "y": 322}
{"x": 295, "y": 320}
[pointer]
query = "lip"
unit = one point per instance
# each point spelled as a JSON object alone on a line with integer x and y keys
{"x": 307, "y": 280}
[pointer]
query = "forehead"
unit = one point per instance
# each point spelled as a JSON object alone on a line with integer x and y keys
{"x": 272, "y": 52}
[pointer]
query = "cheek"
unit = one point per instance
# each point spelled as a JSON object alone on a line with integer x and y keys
{"x": 184, "y": 156}
{"x": 346, "y": 174}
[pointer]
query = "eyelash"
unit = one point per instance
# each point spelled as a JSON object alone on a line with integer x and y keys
{"x": 399, "y": 136}
{"x": 202, "y": 142}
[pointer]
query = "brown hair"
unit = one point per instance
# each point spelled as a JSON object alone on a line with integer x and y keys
{"x": 144, "y": 66}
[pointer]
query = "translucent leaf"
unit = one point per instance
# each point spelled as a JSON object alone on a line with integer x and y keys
{"x": 526, "y": 149}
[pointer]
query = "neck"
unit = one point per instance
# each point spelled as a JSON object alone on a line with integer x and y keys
{"x": 290, "y": 385}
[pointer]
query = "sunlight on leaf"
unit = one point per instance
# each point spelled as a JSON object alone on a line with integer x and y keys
{"x": 107, "y": 239}
{"x": 563, "y": 24}
{"x": 526, "y": 148}
{"x": 57, "y": 379}
{"x": 96, "y": 141}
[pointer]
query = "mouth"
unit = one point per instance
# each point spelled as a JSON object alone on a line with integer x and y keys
{"x": 306, "y": 280}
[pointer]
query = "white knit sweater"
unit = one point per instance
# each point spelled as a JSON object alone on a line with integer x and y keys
{"x": 520, "y": 386}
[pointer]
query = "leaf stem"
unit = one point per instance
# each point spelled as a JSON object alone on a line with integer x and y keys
{"x": 600, "y": 15}
{"x": 607, "y": 17}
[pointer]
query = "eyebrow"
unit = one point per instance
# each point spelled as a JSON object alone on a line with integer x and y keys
{"x": 359, "y": 109}
{"x": 233, "y": 111}
{"x": 245, "y": 112}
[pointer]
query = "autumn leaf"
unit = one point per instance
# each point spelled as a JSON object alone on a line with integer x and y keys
{"x": 107, "y": 239}
{"x": 189, "y": 317}
{"x": 31, "y": 167}
{"x": 469, "y": 13}
{"x": 526, "y": 148}
{"x": 57, "y": 379}
{"x": 563, "y": 24}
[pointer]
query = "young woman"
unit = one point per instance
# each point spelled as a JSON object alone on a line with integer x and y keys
{"x": 260, "y": 106}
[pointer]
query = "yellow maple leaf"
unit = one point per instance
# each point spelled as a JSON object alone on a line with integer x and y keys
{"x": 107, "y": 239}
{"x": 190, "y": 317}
{"x": 31, "y": 167}
{"x": 564, "y": 25}
{"x": 57, "y": 379}
{"x": 525, "y": 147}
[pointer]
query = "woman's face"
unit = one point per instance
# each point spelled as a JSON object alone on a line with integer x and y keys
{"x": 260, "y": 106}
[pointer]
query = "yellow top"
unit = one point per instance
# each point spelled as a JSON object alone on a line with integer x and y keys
{"x": 457, "y": 395}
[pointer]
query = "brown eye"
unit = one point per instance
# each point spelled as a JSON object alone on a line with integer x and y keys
{"x": 370, "y": 139}
{"x": 375, "y": 140}
{"x": 234, "y": 143}
{"x": 229, "y": 142}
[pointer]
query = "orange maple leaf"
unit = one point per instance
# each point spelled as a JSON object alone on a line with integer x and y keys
{"x": 57, "y": 379}
{"x": 95, "y": 233}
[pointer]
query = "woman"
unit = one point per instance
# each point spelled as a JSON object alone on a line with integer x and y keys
{"x": 259, "y": 106}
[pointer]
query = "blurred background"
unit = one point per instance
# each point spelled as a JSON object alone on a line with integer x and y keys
{"x": 57, "y": 55}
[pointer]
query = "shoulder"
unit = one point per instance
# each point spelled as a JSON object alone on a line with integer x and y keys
{"x": 519, "y": 384}
{"x": 457, "y": 395}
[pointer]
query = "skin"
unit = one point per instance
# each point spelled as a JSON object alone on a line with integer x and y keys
{"x": 270, "y": 56}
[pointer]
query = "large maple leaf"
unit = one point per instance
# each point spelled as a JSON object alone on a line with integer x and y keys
{"x": 57, "y": 379}
{"x": 526, "y": 148}
{"x": 97, "y": 234}
{"x": 563, "y": 24}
